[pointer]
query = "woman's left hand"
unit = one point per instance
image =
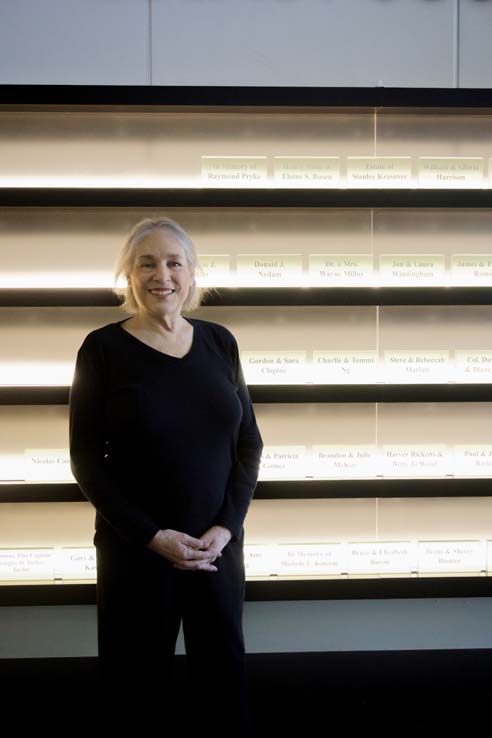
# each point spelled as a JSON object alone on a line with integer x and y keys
{"x": 216, "y": 538}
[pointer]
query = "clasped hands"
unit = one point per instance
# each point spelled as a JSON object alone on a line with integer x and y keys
{"x": 189, "y": 553}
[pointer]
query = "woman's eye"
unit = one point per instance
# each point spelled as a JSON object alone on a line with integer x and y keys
{"x": 149, "y": 264}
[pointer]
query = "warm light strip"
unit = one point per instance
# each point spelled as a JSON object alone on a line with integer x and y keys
{"x": 60, "y": 373}
{"x": 36, "y": 373}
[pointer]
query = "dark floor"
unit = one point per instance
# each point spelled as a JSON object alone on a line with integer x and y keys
{"x": 291, "y": 694}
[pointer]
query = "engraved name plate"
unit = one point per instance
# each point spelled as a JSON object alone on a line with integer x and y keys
{"x": 451, "y": 556}
{"x": 471, "y": 269}
{"x": 391, "y": 557}
{"x": 306, "y": 171}
{"x": 472, "y": 460}
{"x": 447, "y": 171}
{"x": 12, "y": 467}
{"x": 27, "y": 563}
{"x": 47, "y": 464}
{"x": 416, "y": 366}
{"x": 274, "y": 270}
{"x": 326, "y": 270}
{"x": 284, "y": 462}
{"x": 275, "y": 367}
{"x": 340, "y": 367}
{"x": 216, "y": 270}
{"x": 260, "y": 560}
{"x": 234, "y": 171}
{"x": 77, "y": 563}
{"x": 344, "y": 460}
{"x": 416, "y": 269}
{"x": 311, "y": 559}
{"x": 473, "y": 365}
{"x": 379, "y": 171}
{"x": 413, "y": 460}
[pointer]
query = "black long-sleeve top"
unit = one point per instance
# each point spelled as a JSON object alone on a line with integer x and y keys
{"x": 158, "y": 441}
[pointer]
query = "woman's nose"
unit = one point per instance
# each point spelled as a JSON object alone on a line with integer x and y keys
{"x": 162, "y": 270}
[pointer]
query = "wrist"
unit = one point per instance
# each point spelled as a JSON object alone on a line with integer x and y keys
{"x": 159, "y": 537}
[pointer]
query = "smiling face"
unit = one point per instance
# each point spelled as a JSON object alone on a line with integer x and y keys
{"x": 160, "y": 266}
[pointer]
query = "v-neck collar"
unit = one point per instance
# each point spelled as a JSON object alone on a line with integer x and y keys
{"x": 146, "y": 346}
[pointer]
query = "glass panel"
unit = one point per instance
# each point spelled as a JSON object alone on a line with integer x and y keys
{"x": 362, "y": 537}
{"x": 435, "y": 518}
{"x": 228, "y": 147}
{"x": 414, "y": 440}
{"x": 69, "y": 247}
{"x": 165, "y": 149}
{"x": 433, "y": 247}
{"x": 330, "y": 345}
{"x": 443, "y": 343}
{"x": 464, "y": 137}
{"x": 46, "y": 524}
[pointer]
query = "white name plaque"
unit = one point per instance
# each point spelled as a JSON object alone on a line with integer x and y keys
{"x": 339, "y": 367}
{"x": 216, "y": 270}
{"x": 27, "y": 563}
{"x": 47, "y": 464}
{"x": 472, "y": 460}
{"x": 330, "y": 462}
{"x": 279, "y": 270}
{"x": 284, "y": 462}
{"x": 447, "y": 171}
{"x": 411, "y": 460}
{"x": 471, "y": 269}
{"x": 260, "y": 560}
{"x": 326, "y": 270}
{"x": 306, "y": 171}
{"x": 379, "y": 171}
{"x": 413, "y": 366}
{"x": 234, "y": 171}
{"x": 275, "y": 367}
{"x": 77, "y": 563}
{"x": 489, "y": 555}
{"x": 311, "y": 559}
{"x": 392, "y": 557}
{"x": 451, "y": 556}
{"x": 416, "y": 269}
{"x": 473, "y": 366}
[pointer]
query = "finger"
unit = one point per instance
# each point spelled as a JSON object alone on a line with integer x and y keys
{"x": 194, "y": 566}
{"x": 208, "y": 567}
{"x": 194, "y": 542}
{"x": 190, "y": 554}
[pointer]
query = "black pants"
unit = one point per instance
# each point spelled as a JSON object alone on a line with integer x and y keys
{"x": 141, "y": 599}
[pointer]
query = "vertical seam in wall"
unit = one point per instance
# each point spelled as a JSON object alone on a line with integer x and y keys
{"x": 376, "y": 409}
{"x": 375, "y": 132}
{"x": 149, "y": 41}
{"x": 456, "y": 43}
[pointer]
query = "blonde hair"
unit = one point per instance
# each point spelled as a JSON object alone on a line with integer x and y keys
{"x": 126, "y": 259}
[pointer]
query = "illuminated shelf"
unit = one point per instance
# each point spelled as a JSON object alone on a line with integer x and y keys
{"x": 274, "y": 589}
{"x": 294, "y": 393}
{"x": 261, "y": 296}
{"x": 281, "y": 489}
{"x": 259, "y": 197}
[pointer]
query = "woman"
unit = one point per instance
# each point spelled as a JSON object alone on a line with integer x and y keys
{"x": 164, "y": 443}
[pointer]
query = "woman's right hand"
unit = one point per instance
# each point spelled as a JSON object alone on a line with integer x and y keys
{"x": 183, "y": 550}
